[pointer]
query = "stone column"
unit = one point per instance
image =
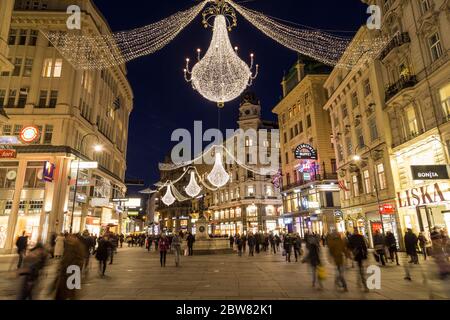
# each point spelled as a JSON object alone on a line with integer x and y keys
{"x": 13, "y": 217}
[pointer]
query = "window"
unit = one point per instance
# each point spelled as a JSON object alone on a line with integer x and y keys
{"x": 48, "y": 135}
{"x": 28, "y": 67}
{"x": 367, "y": 184}
{"x": 285, "y": 137}
{"x": 355, "y": 186}
{"x": 23, "y": 37}
{"x": 355, "y": 101}
{"x": 248, "y": 142}
{"x": 296, "y": 130}
{"x": 411, "y": 121}
{"x": 43, "y": 99}
{"x": 2, "y": 97}
{"x": 360, "y": 137}
{"x": 344, "y": 111}
{"x": 425, "y": 5}
{"x": 348, "y": 143}
{"x": 17, "y": 67}
{"x": 47, "y": 69}
{"x": 58, "y": 68}
{"x": 308, "y": 121}
{"x": 12, "y": 98}
{"x": 367, "y": 88}
{"x": 444, "y": 94}
{"x": 287, "y": 158}
{"x": 7, "y": 130}
{"x": 12, "y": 37}
{"x": 373, "y": 129}
{"x": 301, "y": 126}
{"x": 269, "y": 191}
{"x": 23, "y": 94}
{"x": 381, "y": 177}
{"x": 8, "y": 174}
{"x": 292, "y": 133}
{"x": 250, "y": 191}
{"x": 53, "y": 99}
{"x": 435, "y": 46}
{"x": 33, "y": 38}
{"x": 17, "y": 129}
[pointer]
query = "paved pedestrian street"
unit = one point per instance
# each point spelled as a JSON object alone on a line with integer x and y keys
{"x": 137, "y": 275}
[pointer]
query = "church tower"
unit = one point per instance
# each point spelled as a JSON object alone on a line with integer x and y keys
{"x": 249, "y": 112}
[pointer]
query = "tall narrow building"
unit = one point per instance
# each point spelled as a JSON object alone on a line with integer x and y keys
{"x": 72, "y": 111}
{"x": 310, "y": 188}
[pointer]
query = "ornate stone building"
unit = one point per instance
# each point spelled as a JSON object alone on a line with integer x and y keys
{"x": 72, "y": 110}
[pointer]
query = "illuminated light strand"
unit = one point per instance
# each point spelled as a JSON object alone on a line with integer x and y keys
{"x": 193, "y": 189}
{"x": 218, "y": 176}
{"x": 220, "y": 76}
{"x": 89, "y": 52}
{"x": 168, "y": 198}
{"x": 321, "y": 46}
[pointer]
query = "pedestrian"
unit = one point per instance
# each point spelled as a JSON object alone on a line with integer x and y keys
{"x": 358, "y": 247}
{"x": 239, "y": 244}
{"x": 176, "y": 244}
{"x": 411, "y": 241}
{"x": 33, "y": 263}
{"x": 52, "y": 243}
{"x": 297, "y": 243}
{"x": 423, "y": 244}
{"x": 287, "y": 246}
{"x": 21, "y": 244}
{"x": 114, "y": 244}
{"x": 272, "y": 243}
{"x": 391, "y": 244}
{"x": 338, "y": 250}
{"x": 59, "y": 245}
{"x": 439, "y": 253}
{"x": 102, "y": 253}
{"x": 86, "y": 239}
{"x": 231, "y": 242}
{"x": 163, "y": 247}
{"x": 379, "y": 246}
{"x": 190, "y": 242}
{"x": 313, "y": 258}
{"x": 244, "y": 243}
{"x": 121, "y": 239}
{"x": 251, "y": 244}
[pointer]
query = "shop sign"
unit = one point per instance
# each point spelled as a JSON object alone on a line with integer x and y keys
{"x": 387, "y": 209}
{"x": 305, "y": 152}
{"x": 8, "y": 154}
{"x": 48, "y": 172}
{"x": 307, "y": 176}
{"x": 338, "y": 213}
{"x": 423, "y": 195}
{"x": 9, "y": 140}
{"x": 84, "y": 165}
{"x": 29, "y": 134}
{"x": 431, "y": 172}
{"x": 99, "y": 202}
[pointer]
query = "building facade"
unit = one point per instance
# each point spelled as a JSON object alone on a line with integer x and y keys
{"x": 416, "y": 74}
{"x": 72, "y": 110}
{"x": 249, "y": 202}
{"x": 6, "y": 9}
{"x": 362, "y": 139}
{"x": 310, "y": 187}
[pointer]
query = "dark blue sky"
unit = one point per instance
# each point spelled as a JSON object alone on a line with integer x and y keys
{"x": 164, "y": 101}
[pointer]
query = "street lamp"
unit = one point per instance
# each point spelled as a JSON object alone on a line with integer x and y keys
{"x": 97, "y": 148}
{"x": 358, "y": 158}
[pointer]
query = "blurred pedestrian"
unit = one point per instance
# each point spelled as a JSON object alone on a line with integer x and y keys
{"x": 102, "y": 253}
{"x": 313, "y": 258}
{"x": 163, "y": 247}
{"x": 231, "y": 241}
{"x": 33, "y": 263}
{"x": 239, "y": 244}
{"x": 21, "y": 244}
{"x": 379, "y": 246}
{"x": 190, "y": 242}
{"x": 338, "y": 250}
{"x": 358, "y": 247}
{"x": 251, "y": 244}
{"x": 423, "y": 244}
{"x": 59, "y": 245}
{"x": 391, "y": 244}
{"x": 411, "y": 241}
{"x": 176, "y": 244}
{"x": 121, "y": 239}
{"x": 297, "y": 244}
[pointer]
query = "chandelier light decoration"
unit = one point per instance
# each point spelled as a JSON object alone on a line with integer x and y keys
{"x": 220, "y": 76}
{"x": 193, "y": 189}
{"x": 86, "y": 50}
{"x": 168, "y": 198}
{"x": 218, "y": 176}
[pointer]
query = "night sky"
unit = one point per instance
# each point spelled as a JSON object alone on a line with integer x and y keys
{"x": 164, "y": 101}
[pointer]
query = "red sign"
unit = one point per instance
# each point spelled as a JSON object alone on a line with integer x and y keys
{"x": 7, "y": 153}
{"x": 376, "y": 226}
{"x": 387, "y": 209}
{"x": 29, "y": 134}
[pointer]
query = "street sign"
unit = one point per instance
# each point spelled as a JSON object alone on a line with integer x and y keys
{"x": 430, "y": 172}
{"x": 8, "y": 154}
{"x": 84, "y": 164}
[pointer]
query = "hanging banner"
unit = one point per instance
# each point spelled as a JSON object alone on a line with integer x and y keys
{"x": 48, "y": 173}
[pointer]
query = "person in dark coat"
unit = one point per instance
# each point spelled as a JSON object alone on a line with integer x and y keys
{"x": 358, "y": 247}
{"x": 423, "y": 244}
{"x": 231, "y": 242}
{"x": 163, "y": 248}
{"x": 379, "y": 246}
{"x": 287, "y": 246}
{"x": 272, "y": 243}
{"x": 297, "y": 244}
{"x": 244, "y": 243}
{"x": 121, "y": 239}
{"x": 239, "y": 244}
{"x": 391, "y": 244}
{"x": 190, "y": 242}
{"x": 21, "y": 244}
{"x": 313, "y": 258}
{"x": 30, "y": 272}
{"x": 411, "y": 241}
{"x": 102, "y": 253}
{"x": 251, "y": 244}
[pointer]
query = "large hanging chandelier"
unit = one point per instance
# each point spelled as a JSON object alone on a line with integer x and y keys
{"x": 193, "y": 189}
{"x": 168, "y": 198}
{"x": 218, "y": 176}
{"x": 220, "y": 76}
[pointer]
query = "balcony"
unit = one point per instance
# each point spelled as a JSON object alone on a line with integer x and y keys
{"x": 404, "y": 83}
{"x": 399, "y": 40}
{"x": 317, "y": 177}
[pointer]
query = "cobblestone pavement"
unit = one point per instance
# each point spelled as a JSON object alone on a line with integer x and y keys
{"x": 136, "y": 275}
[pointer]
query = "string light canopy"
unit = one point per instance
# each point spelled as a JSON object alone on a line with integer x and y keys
{"x": 220, "y": 76}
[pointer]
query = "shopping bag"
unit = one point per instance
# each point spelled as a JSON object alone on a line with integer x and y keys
{"x": 321, "y": 273}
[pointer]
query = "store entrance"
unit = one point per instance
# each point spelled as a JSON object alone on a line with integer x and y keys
{"x": 426, "y": 221}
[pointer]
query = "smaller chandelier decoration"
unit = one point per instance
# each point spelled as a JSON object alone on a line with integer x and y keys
{"x": 193, "y": 189}
{"x": 220, "y": 76}
{"x": 168, "y": 198}
{"x": 218, "y": 176}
